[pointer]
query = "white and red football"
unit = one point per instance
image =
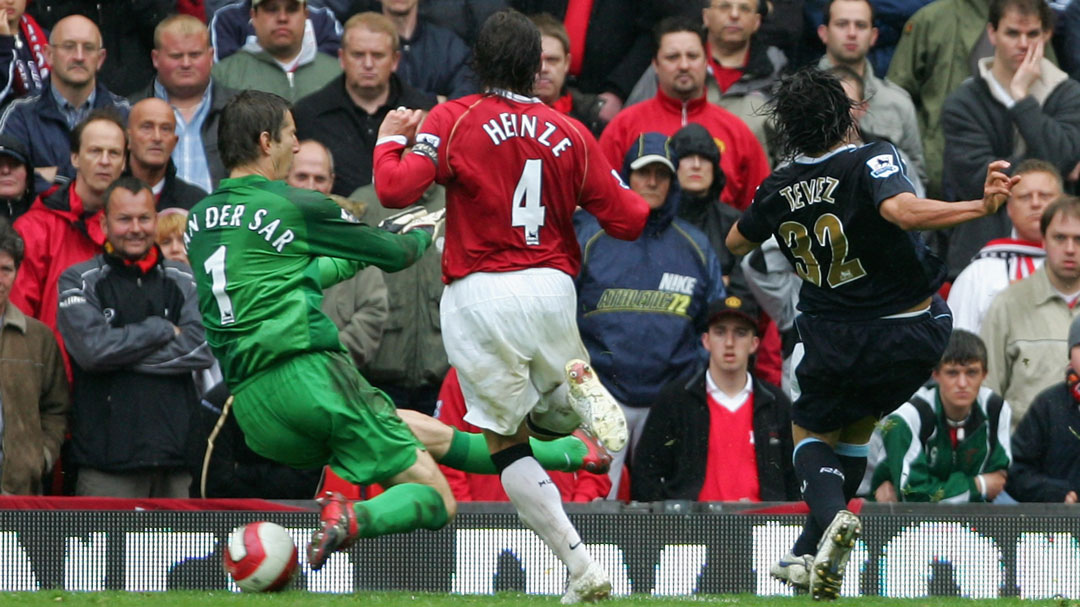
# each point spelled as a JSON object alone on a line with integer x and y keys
{"x": 261, "y": 557}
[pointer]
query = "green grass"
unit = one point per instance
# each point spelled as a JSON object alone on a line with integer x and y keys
{"x": 405, "y": 599}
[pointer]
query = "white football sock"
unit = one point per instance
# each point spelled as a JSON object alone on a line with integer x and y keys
{"x": 539, "y": 506}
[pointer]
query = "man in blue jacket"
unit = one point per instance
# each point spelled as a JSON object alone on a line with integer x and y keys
{"x": 433, "y": 59}
{"x": 641, "y": 303}
{"x": 43, "y": 122}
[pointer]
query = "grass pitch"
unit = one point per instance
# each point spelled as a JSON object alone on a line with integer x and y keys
{"x": 419, "y": 599}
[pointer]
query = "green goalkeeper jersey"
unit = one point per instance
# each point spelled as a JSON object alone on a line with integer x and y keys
{"x": 262, "y": 252}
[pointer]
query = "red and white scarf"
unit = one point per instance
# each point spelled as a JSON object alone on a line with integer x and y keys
{"x": 30, "y": 77}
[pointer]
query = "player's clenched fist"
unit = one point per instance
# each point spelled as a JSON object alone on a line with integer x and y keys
{"x": 401, "y": 122}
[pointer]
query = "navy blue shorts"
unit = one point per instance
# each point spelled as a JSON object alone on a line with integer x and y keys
{"x": 853, "y": 369}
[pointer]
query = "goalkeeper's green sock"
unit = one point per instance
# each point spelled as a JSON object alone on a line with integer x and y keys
{"x": 400, "y": 509}
{"x": 468, "y": 452}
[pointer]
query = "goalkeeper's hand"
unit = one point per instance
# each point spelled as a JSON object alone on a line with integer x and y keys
{"x": 396, "y": 223}
{"x": 414, "y": 218}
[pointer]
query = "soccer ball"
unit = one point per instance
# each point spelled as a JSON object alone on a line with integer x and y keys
{"x": 260, "y": 557}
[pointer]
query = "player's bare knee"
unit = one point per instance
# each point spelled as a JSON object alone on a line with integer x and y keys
{"x": 432, "y": 433}
{"x": 425, "y": 471}
{"x": 858, "y": 433}
{"x": 799, "y": 434}
{"x": 450, "y": 504}
{"x": 434, "y": 478}
{"x": 499, "y": 442}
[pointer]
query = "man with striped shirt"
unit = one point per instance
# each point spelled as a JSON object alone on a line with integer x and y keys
{"x": 1003, "y": 261}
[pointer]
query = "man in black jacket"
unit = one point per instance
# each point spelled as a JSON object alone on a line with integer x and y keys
{"x": 721, "y": 435}
{"x": 551, "y": 86}
{"x": 1046, "y": 443}
{"x": 1018, "y": 106}
{"x": 434, "y": 60}
{"x": 345, "y": 115}
{"x": 697, "y": 164}
{"x": 16, "y": 178}
{"x": 131, "y": 324}
{"x": 151, "y": 140}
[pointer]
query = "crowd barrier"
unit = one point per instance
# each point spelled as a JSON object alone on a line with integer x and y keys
{"x": 671, "y": 548}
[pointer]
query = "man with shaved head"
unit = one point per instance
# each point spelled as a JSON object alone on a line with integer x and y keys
{"x": 44, "y": 121}
{"x": 312, "y": 167}
{"x": 151, "y": 138}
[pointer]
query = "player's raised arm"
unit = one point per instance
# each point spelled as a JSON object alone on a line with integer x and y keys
{"x": 400, "y": 179}
{"x": 621, "y": 211}
{"x": 913, "y": 213}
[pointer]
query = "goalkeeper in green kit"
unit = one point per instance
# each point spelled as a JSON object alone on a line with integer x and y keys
{"x": 262, "y": 252}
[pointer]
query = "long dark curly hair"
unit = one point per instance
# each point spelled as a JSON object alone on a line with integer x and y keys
{"x": 810, "y": 111}
{"x": 507, "y": 52}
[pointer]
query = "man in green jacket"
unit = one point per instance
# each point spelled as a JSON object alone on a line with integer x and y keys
{"x": 279, "y": 60}
{"x": 950, "y": 441}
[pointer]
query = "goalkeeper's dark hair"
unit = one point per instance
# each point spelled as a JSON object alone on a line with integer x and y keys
{"x": 507, "y": 52}
{"x": 243, "y": 120}
{"x": 964, "y": 348}
{"x": 811, "y": 112}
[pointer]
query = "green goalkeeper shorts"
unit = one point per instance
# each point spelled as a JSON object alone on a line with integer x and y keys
{"x": 316, "y": 409}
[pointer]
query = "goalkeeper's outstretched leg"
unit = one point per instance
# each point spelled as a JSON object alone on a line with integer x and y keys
{"x": 468, "y": 451}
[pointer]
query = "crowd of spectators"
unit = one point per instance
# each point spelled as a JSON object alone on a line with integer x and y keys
{"x": 108, "y": 134}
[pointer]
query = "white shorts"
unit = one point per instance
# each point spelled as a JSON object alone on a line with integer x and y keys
{"x": 510, "y": 335}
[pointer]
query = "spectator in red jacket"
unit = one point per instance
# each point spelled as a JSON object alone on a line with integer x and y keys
{"x": 680, "y": 65}
{"x": 63, "y": 226}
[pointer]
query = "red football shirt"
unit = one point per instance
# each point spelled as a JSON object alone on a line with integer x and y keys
{"x": 731, "y": 467}
{"x": 515, "y": 170}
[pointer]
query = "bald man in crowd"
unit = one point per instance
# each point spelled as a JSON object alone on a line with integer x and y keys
{"x": 44, "y": 121}
{"x": 151, "y": 139}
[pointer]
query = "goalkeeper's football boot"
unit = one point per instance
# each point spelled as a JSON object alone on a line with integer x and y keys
{"x": 827, "y": 574}
{"x": 337, "y": 528}
{"x": 794, "y": 571}
{"x": 599, "y": 412}
{"x": 597, "y": 460}
{"x": 591, "y": 586}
